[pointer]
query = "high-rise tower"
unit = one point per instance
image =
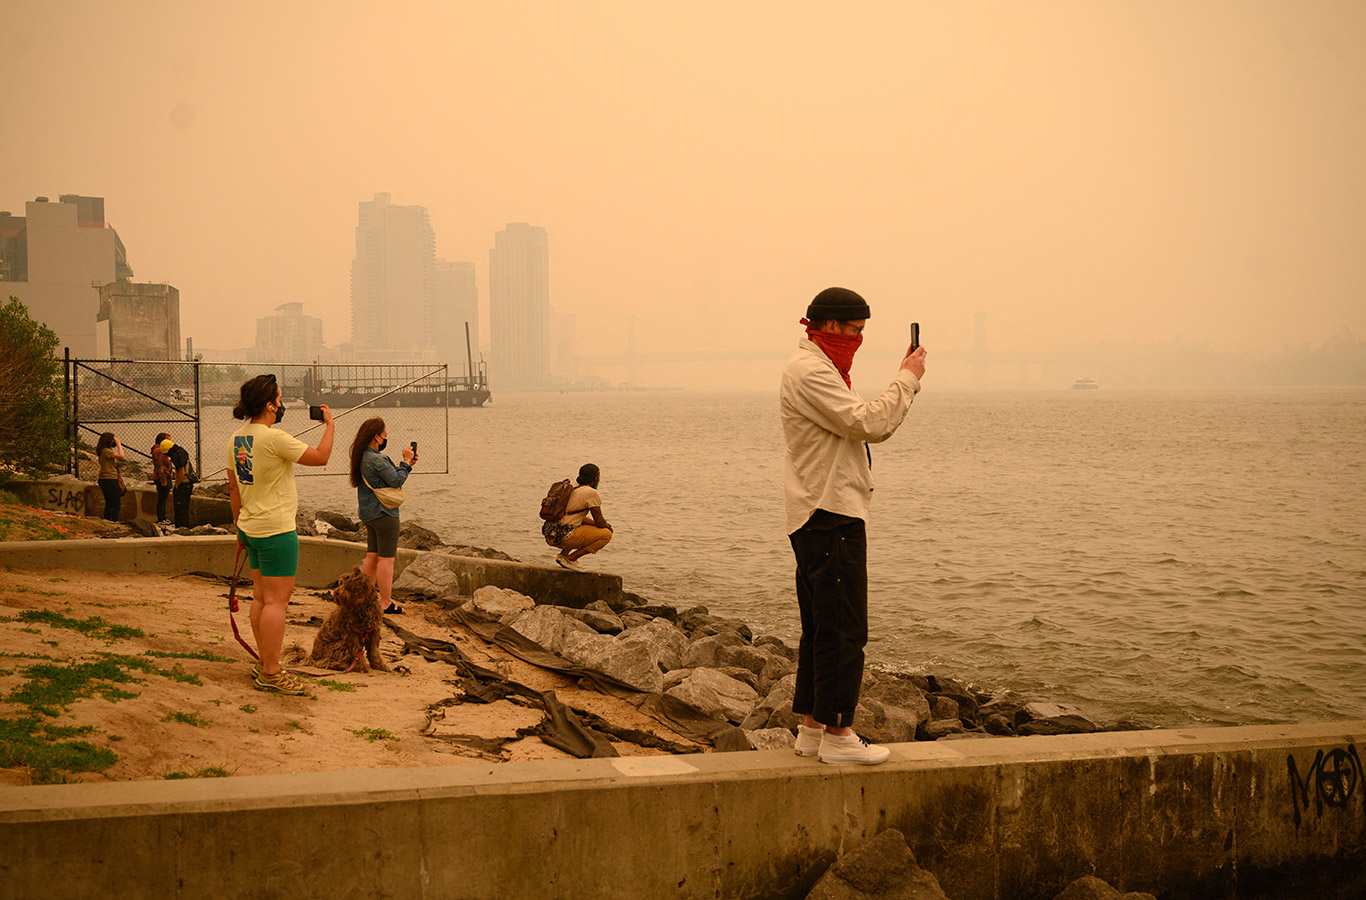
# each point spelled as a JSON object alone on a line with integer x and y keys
{"x": 519, "y": 306}
{"x": 391, "y": 277}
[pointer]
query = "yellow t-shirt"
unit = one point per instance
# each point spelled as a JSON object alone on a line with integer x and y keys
{"x": 263, "y": 459}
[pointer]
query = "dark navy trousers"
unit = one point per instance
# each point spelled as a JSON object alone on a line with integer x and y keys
{"x": 832, "y": 594}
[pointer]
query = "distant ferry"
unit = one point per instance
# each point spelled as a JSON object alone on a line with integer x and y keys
{"x": 1084, "y": 384}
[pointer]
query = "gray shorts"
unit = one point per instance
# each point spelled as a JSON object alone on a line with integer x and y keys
{"x": 381, "y": 536}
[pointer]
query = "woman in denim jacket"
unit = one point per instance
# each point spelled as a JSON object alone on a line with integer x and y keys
{"x": 370, "y": 467}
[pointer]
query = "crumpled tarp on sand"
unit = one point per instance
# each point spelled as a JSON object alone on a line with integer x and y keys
{"x": 563, "y": 728}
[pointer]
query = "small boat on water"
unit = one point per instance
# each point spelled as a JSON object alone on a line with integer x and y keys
{"x": 1084, "y": 384}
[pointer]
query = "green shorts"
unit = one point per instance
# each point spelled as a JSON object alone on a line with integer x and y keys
{"x": 276, "y": 556}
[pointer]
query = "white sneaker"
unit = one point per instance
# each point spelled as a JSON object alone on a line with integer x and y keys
{"x": 808, "y": 740}
{"x": 567, "y": 563}
{"x": 851, "y": 748}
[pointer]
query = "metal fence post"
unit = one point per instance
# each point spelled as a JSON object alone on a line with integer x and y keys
{"x": 198, "y": 415}
{"x": 75, "y": 418}
{"x": 66, "y": 407}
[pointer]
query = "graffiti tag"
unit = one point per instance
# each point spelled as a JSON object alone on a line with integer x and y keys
{"x": 1333, "y": 778}
{"x": 65, "y": 499}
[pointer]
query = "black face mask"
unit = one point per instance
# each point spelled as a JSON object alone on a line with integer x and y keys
{"x": 382, "y": 444}
{"x": 279, "y": 412}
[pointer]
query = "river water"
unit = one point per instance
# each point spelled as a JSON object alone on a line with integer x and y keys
{"x": 1174, "y": 558}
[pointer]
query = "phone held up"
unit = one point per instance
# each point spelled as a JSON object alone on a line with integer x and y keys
{"x": 414, "y": 446}
{"x": 915, "y": 336}
{"x": 315, "y": 413}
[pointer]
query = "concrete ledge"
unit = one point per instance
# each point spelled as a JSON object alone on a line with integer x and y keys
{"x": 84, "y": 498}
{"x": 1204, "y": 813}
{"x": 321, "y": 562}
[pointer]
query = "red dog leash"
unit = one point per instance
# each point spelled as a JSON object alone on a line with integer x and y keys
{"x": 232, "y": 600}
{"x": 364, "y": 638}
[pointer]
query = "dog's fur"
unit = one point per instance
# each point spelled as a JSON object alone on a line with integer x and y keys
{"x": 353, "y": 625}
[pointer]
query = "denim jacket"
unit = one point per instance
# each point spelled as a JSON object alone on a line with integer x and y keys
{"x": 380, "y": 471}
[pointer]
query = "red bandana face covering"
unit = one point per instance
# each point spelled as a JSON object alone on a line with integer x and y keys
{"x": 839, "y": 347}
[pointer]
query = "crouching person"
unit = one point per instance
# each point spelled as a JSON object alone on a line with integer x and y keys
{"x": 576, "y": 537}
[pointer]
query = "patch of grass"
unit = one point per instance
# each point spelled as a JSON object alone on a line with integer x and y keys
{"x": 206, "y": 772}
{"x": 4, "y": 672}
{"x": 28, "y": 590}
{"x": 254, "y": 730}
{"x": 184, "y": 631}
{"x": 247, "y": 708}
{"x": 205, "y": 655}
{"x": 31, "y": 630}
{"x": 115, "y": 737}
{"x": 92, "y": 627}
{"x": 27, "y": 655}
{"x": 9, "y": 498}
{"x": 295, "y": 724}
{"x": 337, "y": 685}
{"x": 374, "y": 734}
{"x": 53, "y": 687}
{"x": 194, "y": 719}
{"x": 45, "y": 749}
{"x": 50, "y": 643}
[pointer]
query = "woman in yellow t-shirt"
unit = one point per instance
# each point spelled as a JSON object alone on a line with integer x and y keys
{"x": 261, "y": 462}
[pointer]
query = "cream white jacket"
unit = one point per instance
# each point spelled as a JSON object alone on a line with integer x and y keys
{"x": 825, "y": 425}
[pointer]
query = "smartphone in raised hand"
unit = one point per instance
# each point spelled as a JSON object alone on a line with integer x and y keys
{"x": 915, "y": 336}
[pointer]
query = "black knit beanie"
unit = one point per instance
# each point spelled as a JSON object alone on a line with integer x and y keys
{"x": 837, "y": 303}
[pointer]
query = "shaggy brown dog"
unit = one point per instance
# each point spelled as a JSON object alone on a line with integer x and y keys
{"x": 352, "y": 628}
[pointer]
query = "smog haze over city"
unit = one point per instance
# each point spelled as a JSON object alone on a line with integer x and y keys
{"x": 1155, "y": 175}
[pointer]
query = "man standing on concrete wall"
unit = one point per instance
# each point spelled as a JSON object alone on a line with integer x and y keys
{"x": 828, "y": 481}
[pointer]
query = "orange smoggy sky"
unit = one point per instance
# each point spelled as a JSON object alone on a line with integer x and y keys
{"x": 1076, "y": 171}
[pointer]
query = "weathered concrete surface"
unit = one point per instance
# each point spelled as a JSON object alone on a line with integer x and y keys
{"x": 1182, "y": 814}
{"x": 320, "y": 563}
{"x": 83, "y": 498}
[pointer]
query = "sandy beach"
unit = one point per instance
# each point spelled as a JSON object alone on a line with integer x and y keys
{"x": 145, "y": 668}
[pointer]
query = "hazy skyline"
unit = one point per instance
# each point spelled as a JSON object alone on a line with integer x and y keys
{"x": 1078, "y": 172}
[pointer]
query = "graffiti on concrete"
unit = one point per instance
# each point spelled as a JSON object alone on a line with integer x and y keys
{"x": 1333, "y": 779}
{"x": 65, "y": 499}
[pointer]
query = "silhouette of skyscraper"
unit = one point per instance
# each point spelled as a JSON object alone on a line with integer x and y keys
{"x": 519, "y": 306}
{"x": 391, "y": 277}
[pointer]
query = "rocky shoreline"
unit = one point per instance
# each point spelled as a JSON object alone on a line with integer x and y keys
{"x": 714, "y": 664}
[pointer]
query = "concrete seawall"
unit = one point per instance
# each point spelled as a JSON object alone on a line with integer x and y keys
{"x": 321, "y": 561}
{"x": 1207, "y": 813}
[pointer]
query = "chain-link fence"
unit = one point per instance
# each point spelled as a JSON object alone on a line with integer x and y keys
{"x": 192, "y": 402}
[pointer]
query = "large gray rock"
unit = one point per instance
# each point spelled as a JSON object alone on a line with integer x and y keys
{"x": 704, "y": 652}
{"x": 1058, "y": 725}
{"x": 430, "y": 576}
{"x": 897, "y": 690}
{"x": 775, "y": 710}
{"x": 498, "y": 602}
{"x": 551, "y": 628}
{"x": 942, "y": 707}
{"x": 337, "y": 520}
{"x": 634, "y": 662}
{"x": 882, "y": 869}
{"x": 883, "y": 723}
{"x": 771, "y": 739}
{"x": 933, "y": 731}
{"x": 1044, "y": 710}
{"x": 412, "y": 536}
{"x": 668, "y": 642}
{"x": 599, "y": 621}
{"x": 716, "y": 694}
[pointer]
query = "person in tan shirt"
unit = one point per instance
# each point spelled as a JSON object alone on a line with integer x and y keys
{"x": 584, "y": 503}
{"x": 828, "y": 482}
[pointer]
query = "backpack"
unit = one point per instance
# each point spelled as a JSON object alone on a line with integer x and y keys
{"x": 557, "y": 500}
